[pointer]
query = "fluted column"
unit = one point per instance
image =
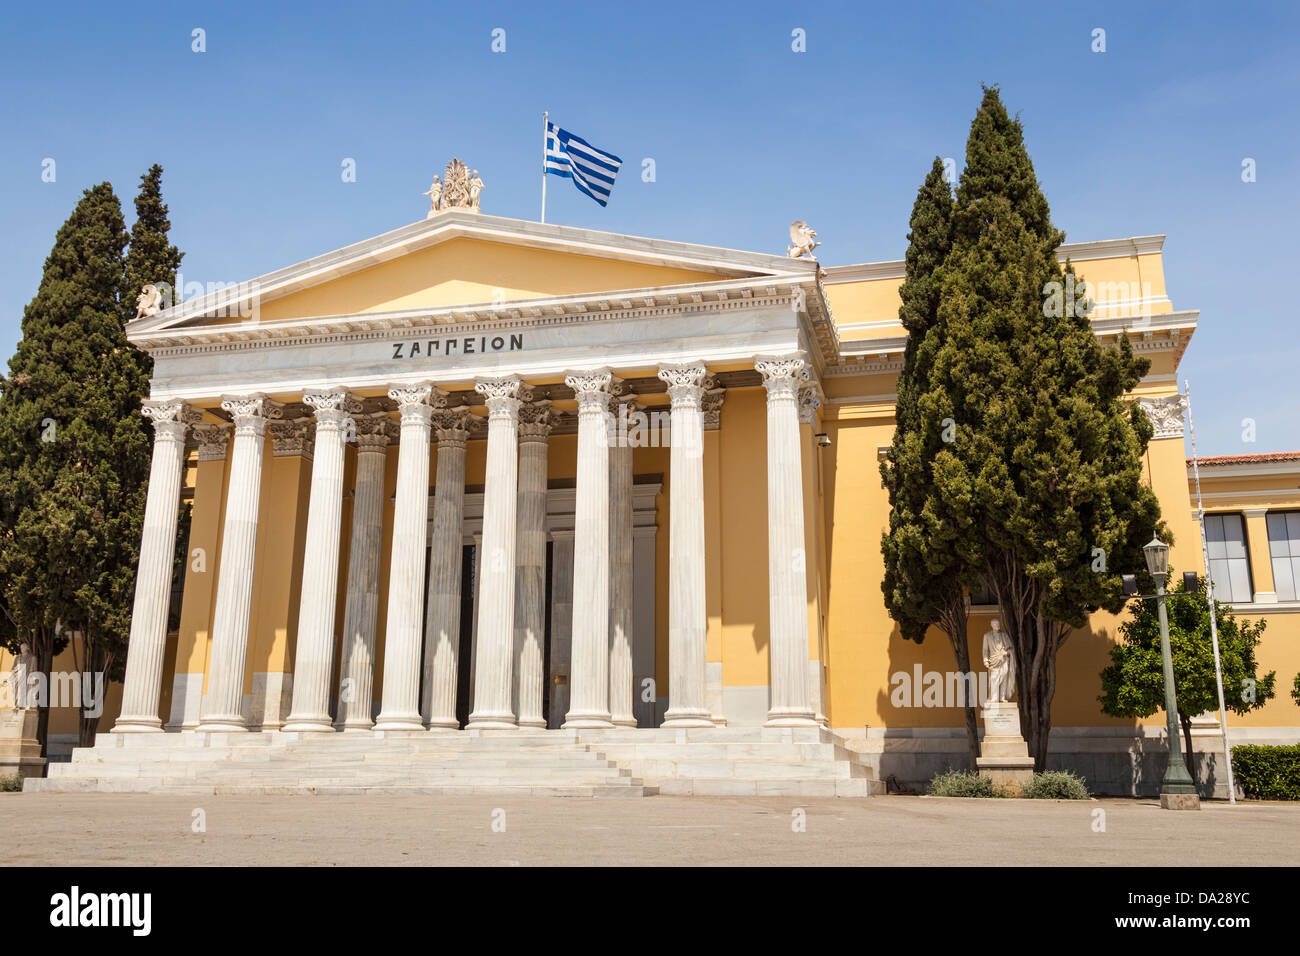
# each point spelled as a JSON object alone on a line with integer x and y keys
{"x": 589, "y": 668}
{"x": 361, "y": 613}
{"x": 787, "y": 581}
{"x": 223, "y": 704}
{"x": 314, "y": 657}
{"x": 622, "y": 678}
{"x": 688, "y": 620}
{"x": 494, "y": 650}
{"x": 153, "y": 579}
{"x": 442, "y": 615}
{"x": 402, "y": 639}
{"x": 535, "y": 422}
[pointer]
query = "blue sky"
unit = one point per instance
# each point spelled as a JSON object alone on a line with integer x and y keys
{"x": 746, "y": 135}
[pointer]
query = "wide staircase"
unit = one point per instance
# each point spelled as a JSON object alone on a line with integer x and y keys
{"x": 803, "y": 762}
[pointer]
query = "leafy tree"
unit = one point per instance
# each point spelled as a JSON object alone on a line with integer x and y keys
{"x": 1295, "y": 689}
{"x": 58, "y": 483}
{"x": 1046, "y": 451}
{"x": 928, "y": 563}
{"x": 1133, "y": 684}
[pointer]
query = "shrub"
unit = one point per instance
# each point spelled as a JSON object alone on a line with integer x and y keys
{"x": 1267, "y": 773}
{"x": 1056, "y": 785}
{"x": 961, "y": 783}
{"x": 11, "y": 784}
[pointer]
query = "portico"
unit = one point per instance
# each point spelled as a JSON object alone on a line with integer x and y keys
{"x": 444, "y": 443}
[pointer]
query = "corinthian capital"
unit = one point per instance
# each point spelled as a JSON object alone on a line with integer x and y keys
{"x": 686, "y": 383}
{"x": 784, "y": 375}
{"x": 1166, "y": 414}
{"x": 250, "y": 413}
{"x": 591, "y": 389}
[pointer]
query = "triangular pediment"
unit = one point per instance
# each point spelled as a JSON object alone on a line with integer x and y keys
{"x": 464, "y": 259}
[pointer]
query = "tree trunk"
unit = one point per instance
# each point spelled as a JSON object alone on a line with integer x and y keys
{"x": 1188, "y": 758}
{"x": 43, "y": 651}
{"x": 961, "y": 652}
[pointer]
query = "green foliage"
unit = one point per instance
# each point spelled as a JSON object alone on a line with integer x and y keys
{"x": 962, "y": 783}
{"x": 74, "y": 448}
{"x": 1056, "y": 785}
{"x": 11, "y": 784}
{"x": 1044, "y": 464}
{"x": 924, "y": 567}
{"x": 1268, "y": 773}
{"x": 1133, "y": 683}
{"x": 1295, "y": 689}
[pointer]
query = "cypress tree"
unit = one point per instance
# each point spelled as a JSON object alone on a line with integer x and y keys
{"x": 926, "y": 570}
{"x": 1047, "y": 450}
{"x": 107, "y": 586}
{"x": 59, "y": 442}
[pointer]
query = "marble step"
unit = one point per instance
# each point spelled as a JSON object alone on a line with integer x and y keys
{"x": 765, "y": 769}
{"x": 775, "y": 787}
{"x": 447, "y": 788}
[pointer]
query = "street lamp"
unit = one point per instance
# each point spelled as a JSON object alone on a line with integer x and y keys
{"x": 1177, "y": 791}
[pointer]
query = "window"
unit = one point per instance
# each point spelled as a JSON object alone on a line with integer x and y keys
{"x": 985, "y": 596}
{"x": 1284, "y": 549}
{"x": 1225, "y": 536}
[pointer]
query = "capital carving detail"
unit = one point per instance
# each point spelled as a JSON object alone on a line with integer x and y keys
{"x": 591, "y": 389}
{"x": 251, "y": 413}
{"x": 782, "y": 377}
{"x": 452, "y": 427}
{"x": 375, "y": 432}
{"x": 213, "y": 440}
{"x": 292, "y": 437}
{"x": 169, "y": 419}
{"x": 686, "y": 383}
{"x": 712, "y": 406}
{"x": 1165, "y": 414}
{"x": 502, "y": 396}
{"x": 536, "y": 420}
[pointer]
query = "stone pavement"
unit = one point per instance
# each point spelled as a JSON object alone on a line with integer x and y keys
{"x": 140, "y": 829}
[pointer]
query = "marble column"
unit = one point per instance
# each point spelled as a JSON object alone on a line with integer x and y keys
{"x": 222, "y": 708}
{"x": 400, "y": 701}
{"x": 314, "y": 656}
{"x": 688, "y": 615}
{"x": 153, "y": 580}
{"x": 791, "y": 704}
{"x": 535, "y": 421}
{"x": 361, "y": 612}
{"x": 622, "y": 680}
{"x": 589, "y": 667}
{"x": 494, "y": 650}
{"x": 442, "y": 615}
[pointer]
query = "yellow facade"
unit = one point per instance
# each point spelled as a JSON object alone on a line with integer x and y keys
{"x": 853, "y": 644}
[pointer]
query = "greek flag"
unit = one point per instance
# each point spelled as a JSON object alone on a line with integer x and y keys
{"x": 592, "y": 170}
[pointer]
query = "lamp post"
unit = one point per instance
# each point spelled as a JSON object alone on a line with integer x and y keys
{"x": 1177, "y": 791}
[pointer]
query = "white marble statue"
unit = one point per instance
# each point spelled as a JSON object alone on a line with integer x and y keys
{"x": 435, "y": 197}
{"x": 146, "y": 303}
{"x": 802, "y": 240}
{"x": 18, "y": 674}
{"x": 1000, "y": 660}
{"x": 475, "y": 188}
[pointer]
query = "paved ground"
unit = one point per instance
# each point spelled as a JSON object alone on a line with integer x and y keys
{"x": 131, "y": 829}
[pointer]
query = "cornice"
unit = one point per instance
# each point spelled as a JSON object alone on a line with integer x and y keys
{"x": 1074, "y": 251}
{"x": 456, "y": 225}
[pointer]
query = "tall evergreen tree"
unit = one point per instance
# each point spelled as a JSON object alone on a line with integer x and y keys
{"x": 929, "y": 559}
{"x": 107, "y": 587}
{"x": 57, "y": 461}
{"x": 1047, "y": 450}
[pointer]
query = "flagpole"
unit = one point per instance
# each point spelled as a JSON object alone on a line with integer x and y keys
{"x": 1209, "y": 596}
{"x": 546, "y": 128}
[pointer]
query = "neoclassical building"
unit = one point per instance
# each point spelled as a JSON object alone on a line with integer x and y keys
{"x": 480, "y": 476}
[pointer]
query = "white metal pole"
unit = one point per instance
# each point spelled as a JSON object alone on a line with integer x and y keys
{"x": 546, "y": 128}
{"x": 1209, "y": 595}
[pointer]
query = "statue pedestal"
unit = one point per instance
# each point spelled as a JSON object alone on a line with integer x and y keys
{"x": 20, "y": 752}
{"x": 1004, "y": 755}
